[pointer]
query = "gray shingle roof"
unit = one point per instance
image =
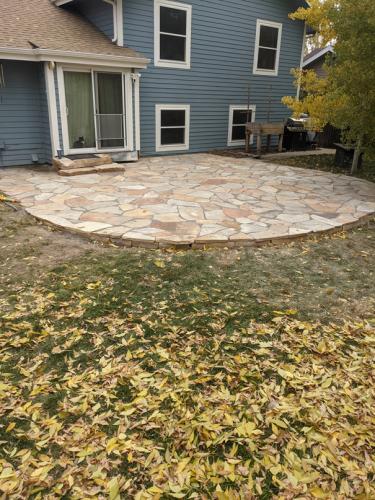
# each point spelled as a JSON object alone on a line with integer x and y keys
{"x": 38, "y": 24}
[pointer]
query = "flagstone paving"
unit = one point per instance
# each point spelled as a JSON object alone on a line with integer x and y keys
{"x": 194, "y": 200}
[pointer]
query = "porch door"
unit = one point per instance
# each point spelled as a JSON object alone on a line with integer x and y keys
{"x": 110, "y": 113}
{"x": 80, "y": 110}
{"x": 95, "y": 111}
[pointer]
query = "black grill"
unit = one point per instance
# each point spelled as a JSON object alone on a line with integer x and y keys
{"x": 295, "y": 135}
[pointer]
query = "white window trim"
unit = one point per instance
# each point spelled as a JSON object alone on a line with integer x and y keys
{"x": 173, "y": 147}
{"x": 265, "y": 72}
{"x": 238, "y": 107}
{"x": 161, "y": 63}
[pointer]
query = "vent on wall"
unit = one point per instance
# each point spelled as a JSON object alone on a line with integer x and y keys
{"x": 2, "y": 77}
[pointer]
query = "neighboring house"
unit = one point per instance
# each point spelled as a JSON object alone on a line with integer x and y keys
{"x": 316, "y": 60}
{"x": 146, "y": 77}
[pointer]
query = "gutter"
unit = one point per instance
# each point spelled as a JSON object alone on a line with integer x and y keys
{"x": 83, "y": 58}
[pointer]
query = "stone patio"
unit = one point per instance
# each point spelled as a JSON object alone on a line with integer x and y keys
{"x": 193, "y": 200}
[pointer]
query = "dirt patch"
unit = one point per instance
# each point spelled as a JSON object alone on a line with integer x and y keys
{"x": 29, "y": 249}
{"x": 327, "y": 279}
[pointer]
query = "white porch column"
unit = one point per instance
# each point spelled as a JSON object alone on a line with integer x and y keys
{"x": 137, "y": 112}
{"x": 52, "y": 107}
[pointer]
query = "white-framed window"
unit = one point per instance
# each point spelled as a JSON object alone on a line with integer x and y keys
{"x": 267, "y": 48}
{"x": 238, "y": 117}
{"x": 172, "y": 127}
{"x": 172, "y": 26}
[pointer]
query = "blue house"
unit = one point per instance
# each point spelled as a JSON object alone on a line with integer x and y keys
{"x": 140, "y": 77}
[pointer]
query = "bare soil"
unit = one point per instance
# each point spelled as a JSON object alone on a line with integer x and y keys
{"x": 327, "y": 279}
{"x": 29, "y": 248}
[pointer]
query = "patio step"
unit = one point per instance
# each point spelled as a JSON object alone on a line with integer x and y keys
{"x": 108, "y": 167}
{"x": 91, "y": 161}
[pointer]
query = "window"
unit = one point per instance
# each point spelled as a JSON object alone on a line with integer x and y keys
{"x": 172, "y": 127}
{"x": 267, "y": 48}
{"x": 238, "y": 116}
{"x": 172, "y": 34}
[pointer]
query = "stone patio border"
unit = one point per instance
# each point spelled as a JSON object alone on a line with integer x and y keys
{"x": 194, "y": 201}
{"x": 209, "y": 244}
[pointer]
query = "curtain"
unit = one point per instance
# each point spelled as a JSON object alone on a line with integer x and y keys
{"x": 79, "y": 103}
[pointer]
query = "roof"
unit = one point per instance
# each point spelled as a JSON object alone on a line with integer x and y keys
{"x": 40, "y": 26}
{"x": 316, "y": 54}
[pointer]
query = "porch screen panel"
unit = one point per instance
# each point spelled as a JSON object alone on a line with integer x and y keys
{"x": 110, "y": 109}
{"x": 80, "y": 109}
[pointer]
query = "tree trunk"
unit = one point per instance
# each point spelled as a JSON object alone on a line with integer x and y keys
{"x": 357, "y": 155}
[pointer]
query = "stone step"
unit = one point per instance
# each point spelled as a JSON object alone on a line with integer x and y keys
{"x": 68, "y": 164}
{"x": 112, "y": 167}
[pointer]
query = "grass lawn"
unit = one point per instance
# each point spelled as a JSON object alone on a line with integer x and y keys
{"x": 219, "y": 374}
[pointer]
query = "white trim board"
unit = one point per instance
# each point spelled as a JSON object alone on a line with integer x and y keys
{"x": 238, "y": 107}
{"x": 178, "y": 6}
{"x": 83, "y": 58}
{"x": 318, "y": 55}
{"x": 172, "y": 147}
{"x": 52, "y": 108}
{"x": 260, "y": 71}
{"x": 298, "y": 94}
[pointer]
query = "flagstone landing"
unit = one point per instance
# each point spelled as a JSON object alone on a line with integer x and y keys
{"x": 193, "y": 201}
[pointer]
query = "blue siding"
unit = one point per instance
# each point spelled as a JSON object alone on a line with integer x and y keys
{"x": 223, "y": 43}
{"x": 98, "y": 13}
{"x": 24, "y": 127}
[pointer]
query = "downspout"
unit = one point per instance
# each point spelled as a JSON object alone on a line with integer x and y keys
{"x": 302, "y": 58}
{"x": 118, "y": 36}
{"x": 114, "y": 8}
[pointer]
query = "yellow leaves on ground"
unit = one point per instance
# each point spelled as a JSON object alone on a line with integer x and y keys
{"x": 247, "y": 429}
{"x": 117, "y": 408}
{"x": 159, "y": 263}
{"x": 4, "y": 198}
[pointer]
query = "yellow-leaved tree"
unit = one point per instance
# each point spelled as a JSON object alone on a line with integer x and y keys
{"x": 346, "y": 98}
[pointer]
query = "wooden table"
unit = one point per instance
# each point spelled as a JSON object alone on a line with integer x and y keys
{"x": 267, "y": 129}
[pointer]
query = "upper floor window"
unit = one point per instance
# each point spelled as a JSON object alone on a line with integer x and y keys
{"x": 267, "y": 48}
{"x": 172, "y": 34}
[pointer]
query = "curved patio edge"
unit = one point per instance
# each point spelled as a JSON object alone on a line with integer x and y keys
{"x": 194, "y": 201}
{"x": 201, "y": 243}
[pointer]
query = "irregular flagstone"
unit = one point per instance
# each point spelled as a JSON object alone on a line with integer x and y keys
{"x": 193, "y": 199}
{"x": 191, "y": 213}
{"x": 139, "y": 213}
{"x": 89, "y": 226}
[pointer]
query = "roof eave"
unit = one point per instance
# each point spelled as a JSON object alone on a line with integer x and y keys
{"x": 318, "y": 55}
{"x": 82, "y": 58}
{"x": 58, "y": 3}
